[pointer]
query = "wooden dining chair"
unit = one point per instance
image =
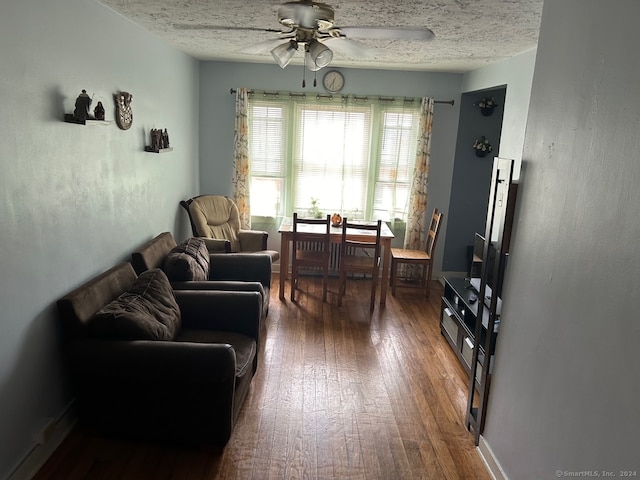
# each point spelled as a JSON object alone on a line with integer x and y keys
{"x": 418, "y": 257}
{"x": 360, "y": 253}
{"x": 311, "y": 249}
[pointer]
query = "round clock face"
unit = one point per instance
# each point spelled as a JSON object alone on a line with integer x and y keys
{"x": 333, "y": 81}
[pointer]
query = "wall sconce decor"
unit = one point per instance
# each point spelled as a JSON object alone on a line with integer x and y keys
{"x": 482, "y": 146}
{"x": 487, "y": 105}
{"x": 124, "y": 114}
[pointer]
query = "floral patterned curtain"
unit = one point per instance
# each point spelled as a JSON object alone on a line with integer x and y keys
{"x": 415, "y": 233}
{"x": 241, "y": 164}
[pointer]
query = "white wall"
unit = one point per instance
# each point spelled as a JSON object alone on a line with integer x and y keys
{"x": 566, "y": 384}
{"x": 74, "y": 200}
{"x": 217, "y": 110}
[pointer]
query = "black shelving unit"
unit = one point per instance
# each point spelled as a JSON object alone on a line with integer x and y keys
{"x": 458, "y": 319}
{"x": 471, "y": 307}
{"x": 497, "y": 237}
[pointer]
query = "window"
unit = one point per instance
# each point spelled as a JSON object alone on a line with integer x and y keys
{"x": 268, "y": 124}
{"x": 354, "y": 157}
{"x": 397, "y": 159}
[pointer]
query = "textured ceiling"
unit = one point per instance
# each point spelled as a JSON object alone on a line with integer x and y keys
{"x": 468, "y": 33}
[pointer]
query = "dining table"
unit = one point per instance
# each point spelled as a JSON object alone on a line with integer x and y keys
{"x": 286, "y": 236}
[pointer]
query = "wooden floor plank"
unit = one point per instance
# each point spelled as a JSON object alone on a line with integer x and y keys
{"x": 340, "y": 393}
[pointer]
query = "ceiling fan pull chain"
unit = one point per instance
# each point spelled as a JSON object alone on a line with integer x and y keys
{"x": 304, "y": 72}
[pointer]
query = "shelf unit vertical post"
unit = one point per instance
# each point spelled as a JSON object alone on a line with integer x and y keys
{"x": 497, "y": 237}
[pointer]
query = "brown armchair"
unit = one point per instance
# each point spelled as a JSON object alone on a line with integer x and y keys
{"x": 150, "y": 362}
{"x": 216, "y": 218}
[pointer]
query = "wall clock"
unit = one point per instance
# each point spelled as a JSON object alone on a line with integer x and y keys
{"x": 333, "y": 81}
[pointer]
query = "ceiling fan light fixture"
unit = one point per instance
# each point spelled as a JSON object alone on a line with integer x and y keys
{"x": 318, "y": 55}
{"x": 309, "y": 63}
{"x": 284, "y": 52}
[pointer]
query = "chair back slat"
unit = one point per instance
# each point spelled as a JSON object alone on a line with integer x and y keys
{"x": 434, "y": 230}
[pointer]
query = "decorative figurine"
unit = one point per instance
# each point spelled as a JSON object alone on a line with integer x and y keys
{"x": 159, "y": 140}
{"x": 98, "y": 112}
{"x": 124, "y": 115}
{"x": 81, "y": 112}
{"x": 156, "y": 140}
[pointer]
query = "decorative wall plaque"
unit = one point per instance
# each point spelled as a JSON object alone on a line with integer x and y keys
{"x": 124, "y": 115}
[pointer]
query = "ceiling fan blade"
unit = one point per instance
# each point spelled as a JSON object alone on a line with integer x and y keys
{"x": 348, "y": 47}
{"x": 201, "y": 26}
{"x": 388, "y": 33}
{"x": 262, "y": 47}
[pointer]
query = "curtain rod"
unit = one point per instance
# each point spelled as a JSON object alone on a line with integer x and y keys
{"x": 233, "y": 90}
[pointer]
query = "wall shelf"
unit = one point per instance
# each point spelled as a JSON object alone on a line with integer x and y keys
{"x": 160, "y": 150}
{"x": 69, "y": 118}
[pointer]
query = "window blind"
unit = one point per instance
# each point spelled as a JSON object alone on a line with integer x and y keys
{"x": 331, "y": 159}
{"x": 268, "y": 147}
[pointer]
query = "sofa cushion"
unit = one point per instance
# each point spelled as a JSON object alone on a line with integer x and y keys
{"x": 147, "y": 310}
{"x": 244, "y": 346}
{"x": 188, "y": 261}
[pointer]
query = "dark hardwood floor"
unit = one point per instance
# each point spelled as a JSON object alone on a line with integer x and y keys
{"x": 340, "y": 393}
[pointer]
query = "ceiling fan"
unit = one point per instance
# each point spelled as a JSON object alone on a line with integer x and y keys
{"x": 310, "y": 25}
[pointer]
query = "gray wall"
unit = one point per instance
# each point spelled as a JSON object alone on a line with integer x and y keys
{"x": 566, "y": 384}
{"x": 217, "y": 107}
{"x": 76, "y": 199}
{"x": 471, "y": 177}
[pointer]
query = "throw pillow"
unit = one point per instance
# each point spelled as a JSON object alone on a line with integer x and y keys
{"x": 146, "y": 311}
{"x": 188, "y": 261}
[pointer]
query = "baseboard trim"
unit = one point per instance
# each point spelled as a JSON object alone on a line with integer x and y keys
{"x": 39, "y": 454}
{"x": 490, "y": 460}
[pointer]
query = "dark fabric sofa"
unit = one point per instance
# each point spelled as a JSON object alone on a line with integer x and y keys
{"x": 227, "y": 271}
{"x": 176, "y": 372}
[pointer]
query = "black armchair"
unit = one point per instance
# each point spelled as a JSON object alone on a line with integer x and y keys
{"x": 187, "y": 389}
{"x": 234, "y": 272}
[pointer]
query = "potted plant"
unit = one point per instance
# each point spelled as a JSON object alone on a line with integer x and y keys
{"x": 487, "y": 104}
{"x": 482, "y": 146}
{"x": 314, "y": 211}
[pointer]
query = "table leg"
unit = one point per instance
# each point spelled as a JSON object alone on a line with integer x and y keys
{"x": 384, "y": 282}
{"x": 284, "y": 262}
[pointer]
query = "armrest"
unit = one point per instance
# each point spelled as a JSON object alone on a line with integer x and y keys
{"x": 217, "y": 245}
{"x": 252, "y": 240}
{"x": 152, "y": 361}
{"x": 223, "y": 285}
{"x": 219, "y": 310}
{"x": 252, "y": 267}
